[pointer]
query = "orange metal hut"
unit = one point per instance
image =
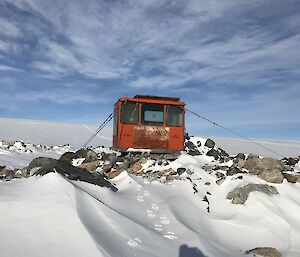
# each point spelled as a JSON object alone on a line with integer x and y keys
{"x": 149, "y": 122}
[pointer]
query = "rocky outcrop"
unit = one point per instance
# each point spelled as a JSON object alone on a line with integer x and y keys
{"x": 240, "y": 194}
{"x": 264, "y": 252}
{"x": 267, "y": 169}
{"x": 88, "y": 155}
{"x": 209, "y": 143}
{"x": 46, "y": 165}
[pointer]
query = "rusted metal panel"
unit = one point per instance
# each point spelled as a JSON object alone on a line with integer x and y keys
{"x": 151, "y": 137}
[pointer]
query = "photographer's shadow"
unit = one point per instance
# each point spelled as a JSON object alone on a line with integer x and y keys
{"x": 186, "y": 251}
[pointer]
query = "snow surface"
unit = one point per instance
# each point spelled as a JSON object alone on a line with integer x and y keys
{"x": 49, "y": 216}
{"x": 58, "y": 133}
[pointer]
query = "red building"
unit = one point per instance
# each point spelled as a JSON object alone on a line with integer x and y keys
{"x": 149, "y": 122}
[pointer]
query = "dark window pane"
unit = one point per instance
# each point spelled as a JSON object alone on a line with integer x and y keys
{"x": 174, "y": 116}
{"x": 130, "y": 113}
{"x": 152, "y": 114}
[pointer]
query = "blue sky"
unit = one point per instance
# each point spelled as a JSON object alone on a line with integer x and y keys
{"x": 236, "y": 62}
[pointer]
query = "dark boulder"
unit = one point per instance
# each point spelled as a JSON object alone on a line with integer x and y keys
{"x": 88, "y": 154}
{"x": 194, "y": 152}
{"x": 209, "y": 143}
{"x": 67, "y": 157}
{"x": 180, "y": 171}
{"x": 190, "y": 145}
{"x": 290, "y": 161}
{"x": 222, "y": 153}
{"x": 48, "y": 165}
{"x": 240, "y": 156}
{"x": 233, "y": 170}
{"x": 214, "y": 153}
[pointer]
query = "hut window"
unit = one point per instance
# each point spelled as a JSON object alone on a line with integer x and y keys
{"x": 174, "y": 116}
{"x": 130, "y": 113}
{"x": 153, "y": 114}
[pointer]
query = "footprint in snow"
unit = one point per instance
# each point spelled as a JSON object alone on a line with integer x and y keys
{"x": 134, "y": 242}
{"x": 158, "y": 227}
{"x": 150, "y": 214}
{"x": 146, "y": 193}
{"x": 170, "y": 235}
{"x": 154, "y": 207}
{"x": 140, "y": 198}
{"x": 138, "y": 188}
{"x": 164, "y": 220}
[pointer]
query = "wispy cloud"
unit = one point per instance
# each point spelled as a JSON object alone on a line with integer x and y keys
{"x": 232, "y": 54}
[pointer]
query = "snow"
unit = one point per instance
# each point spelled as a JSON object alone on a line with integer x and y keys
{"x": 51, "y": 216}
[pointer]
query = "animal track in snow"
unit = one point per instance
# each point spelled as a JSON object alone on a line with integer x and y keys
{"x": 138, "y": 188}
{"x": 146, "y": 193}
{"x": 154, "y": 207}
{"x": 170, "y": 235}
{"x": 158, "y": 227}
{"x": 134, "y": 242}
{"x": 150, "y": 214}
{"x": 164, "y": 220}
{"x": 140, "y": 198}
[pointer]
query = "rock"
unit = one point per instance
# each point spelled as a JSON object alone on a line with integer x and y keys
{"x": 214, "y": 153}
{"x": 240, "y": 194}
{"x": 109, "y": 157}
{"x": 240, "y": 156}
{"x": 180, "y": 171}
{"x": 136, "y": 167}
{"x": 198, "y": 143}
{"x": 2, "y": 167}
{"x": 67, "y": 157}
{"x": 88, "y": 154}
{"x": 290, "y": 161}
{"x": 70, "y": 172}
{"x": 190, "y": 145}
{"x": 291, "y": 178}
{"x": 186, "y": 136}
{"x": 222, "y": 153}
{"x": 7, "y": 174}
{"x": 220, "y": 180}
{"x": 233, "y": 170}
{"x": 41, "y": 162}
{"x": 125, "y": 165}
{"x": 265, "y": 252}
{"x": 219, "y": 174}
{"x": 90, "y": 166}
{"x": 241, "y": 163}
{"x": 209, "y": 143}
{"x": 207, "y": 183}
{"x": 113, "y": 174}
{"x": 194, "y": 152}
{"x": 267, "y": 169}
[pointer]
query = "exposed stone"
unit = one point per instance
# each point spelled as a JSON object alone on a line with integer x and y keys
{"x": 190, "y": 145}
{"x": 264, "y": 252}
{"x": 220, "y": 180}
{"x": 194, "y": 152}
{"x": 241, "y": 163}
{"x": 67, "y": 157}
{"x": 180, "y": 171}
{"x": 240, "y": 194}
{"x": 7, "y": 174}
{"x": 222, "y": 153}
{"x": 198, "y": 143}
{"x": 41, "y": 162}
{"x": 88, "y": 154}
{"x": 219, "y": 174}
{"x": 214, "y": 153}
{"x": 291, "y": 178}
{"x": 267, "y": 169}
{"x": 290, "y": 161}
{"x": 125, "y": 165}
{"x": 209, "y": 143}
{"x": 136, "y": 167}
{"x": 70, "y": 172}
{"x": 207, "y": 183}
{"x": 240, "y": 156}
{"x": 90, "y": 166}
{"x": 113, "y": 174}
{"x": 233, "y": 170}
